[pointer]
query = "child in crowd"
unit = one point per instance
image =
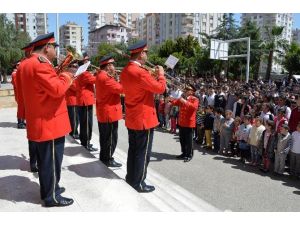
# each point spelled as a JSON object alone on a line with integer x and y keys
{"x": 208, "y": 125}
{"x": 280, "y": 119}
{"x": 167, "y": 110}
{"x": 200, "y": 117}
{"x": 295, "y": 153}
{"x": 267, "y": 144}
{"x": 173, "y": 116}
{"x": 243, "y": 137}
{"x": 233, "y": 141}
{"x": 226, "y": 132}
{"x": 161, "y": 111}
{"x": 284, "y": 144}
{"x": 217, "y": 127}
{"x": 254, "y": 138}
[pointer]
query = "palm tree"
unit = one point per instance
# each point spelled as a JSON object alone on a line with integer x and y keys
{"x": 274, "y": 43}
{"x": 291, "y": 60}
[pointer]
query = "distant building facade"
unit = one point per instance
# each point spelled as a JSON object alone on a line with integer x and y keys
{"x": 70, "y": 34}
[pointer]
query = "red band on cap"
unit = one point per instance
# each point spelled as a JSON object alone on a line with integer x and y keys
{"x": 138, "y": 50}
{"x": 107, "y": 61}
{"x": 44, "y": 42}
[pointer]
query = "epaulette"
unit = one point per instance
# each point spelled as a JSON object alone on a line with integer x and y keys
{"x": 42, "y": 59}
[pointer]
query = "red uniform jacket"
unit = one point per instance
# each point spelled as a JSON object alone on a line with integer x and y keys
{"x": 108, "y": 100}
{"x": 85, "y": 89}
{"x": 19, "y": 93}
{"x": 139, "y": 87}
{"x": 44, "y": 98}
{"x": 187, "y": 111}
{"x": 71, "y": 95}
{"x": 14, "y": 83}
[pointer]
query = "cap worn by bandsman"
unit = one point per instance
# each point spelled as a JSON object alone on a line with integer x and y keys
{"x": 190, "y": 87}
{"x": 138, "y": 47}
{"x": 106, "y": 60}
{"x": 43, "y": 40}
{"x": 28, "y": 48}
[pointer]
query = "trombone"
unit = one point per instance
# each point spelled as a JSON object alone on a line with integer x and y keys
{"x": 151, "y": 69}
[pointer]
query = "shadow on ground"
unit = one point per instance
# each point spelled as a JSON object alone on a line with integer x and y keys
{"x": 77, "y": 150}
{"x": 19, "y": 189}
{"x": 8, "y": 125}
{"x": 237, "y": 164}
{"x": 157, "y": 157}
{"x": 12, "y": 162}
{"x": 93, "y": 169}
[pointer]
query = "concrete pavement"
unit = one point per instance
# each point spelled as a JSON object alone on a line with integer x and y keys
{"x": 93, "y": 186}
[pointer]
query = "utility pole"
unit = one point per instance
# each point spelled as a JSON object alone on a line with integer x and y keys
{"x": 57, "y": 34}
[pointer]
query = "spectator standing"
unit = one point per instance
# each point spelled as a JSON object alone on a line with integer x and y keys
{"x": 283, "y": 147}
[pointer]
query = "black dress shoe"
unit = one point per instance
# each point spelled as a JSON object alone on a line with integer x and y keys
{"x": 34, "y": 169}
{"x": 91, "y": 149}
{"x": 146, "y": 189}
{"x": 76, "y": 136}
{"x": 180, "y": 156}
{"x": 61, "y": 190}
{"x": 187, "y": 159}
{"x": 112, "y": 163}
{"x": 62, "y": 201}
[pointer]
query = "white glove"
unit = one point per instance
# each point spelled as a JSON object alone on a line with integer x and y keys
{"x": 176, "y": 94}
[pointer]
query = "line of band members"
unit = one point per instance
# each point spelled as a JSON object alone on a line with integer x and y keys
{"x": 54, "y": 103}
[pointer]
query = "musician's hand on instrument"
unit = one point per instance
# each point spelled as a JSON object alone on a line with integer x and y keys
{"x": 159, "y": 70}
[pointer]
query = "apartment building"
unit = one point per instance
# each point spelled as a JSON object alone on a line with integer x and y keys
{"x": 70, "y": 34}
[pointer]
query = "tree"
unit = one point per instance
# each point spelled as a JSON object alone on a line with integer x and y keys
{"x": 11, "y": 42}
{"x": 274, "y": 43}
{"x": 249, "y": 29}
{"x": 291, "y": 60}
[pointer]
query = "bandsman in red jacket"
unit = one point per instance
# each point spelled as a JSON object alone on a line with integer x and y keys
{"x": 71, "y": 99}
{"x": 85, "y": 101}
{"x": 187, "y": 121}
{"x": 46, "y": 115}
{"x": 21, "y": 108}
{"x": 109, "y": 110}
{"x": 140, "y": 115}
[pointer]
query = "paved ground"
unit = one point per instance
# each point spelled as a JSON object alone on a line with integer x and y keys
{"x": 93, "y": 186}
{"x": 222, "y": 182}
{"x": 208, "y": 183}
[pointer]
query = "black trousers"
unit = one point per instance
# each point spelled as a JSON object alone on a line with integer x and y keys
{"x": 74, "y": 119}
{"x": 108, "y": 140}
{"x": 32, "y": 154}
{"x": 49, "y": 160}
{"x": 186, "y": 141}
{"x": 86, "y": 124}
{"x": 140, "y": 145}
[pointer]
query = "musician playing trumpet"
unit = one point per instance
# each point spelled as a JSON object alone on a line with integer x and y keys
{"x": 108, "y": 108}
{"x": 140, "y": 115}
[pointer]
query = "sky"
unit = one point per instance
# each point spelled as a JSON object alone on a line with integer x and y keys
{"x": 82, "y": 20}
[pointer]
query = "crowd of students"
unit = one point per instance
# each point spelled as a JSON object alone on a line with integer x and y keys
{"x": 259, "y": 122}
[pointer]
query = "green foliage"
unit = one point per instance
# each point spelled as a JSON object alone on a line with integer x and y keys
{"x": 274, "y": 43}
{"x": 11, "y": 42}
{"x": 291, "y": 60}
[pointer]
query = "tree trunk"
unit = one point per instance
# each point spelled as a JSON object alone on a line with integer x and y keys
{"x": 269, "y": 67}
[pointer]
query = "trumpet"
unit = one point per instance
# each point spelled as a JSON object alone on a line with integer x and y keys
{"x": 65, "y": 63}
{"x": 151, "y": 69}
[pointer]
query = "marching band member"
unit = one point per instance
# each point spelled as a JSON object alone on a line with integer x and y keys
{"x": 187, "y": 121}
{"x": 140, "y": 115}
{"x": 109, "y": 110}
{"x": 85, "y": 101}
{"x": 46, "y": 115}
{"x": 71, "y": 99}
{"x": 21, "y": 108}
